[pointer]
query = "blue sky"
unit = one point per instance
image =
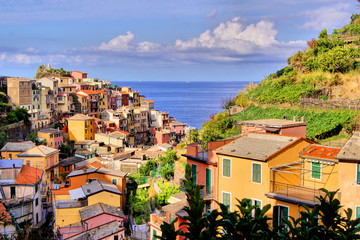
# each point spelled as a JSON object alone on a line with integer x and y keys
{"x": 162, "y": 40}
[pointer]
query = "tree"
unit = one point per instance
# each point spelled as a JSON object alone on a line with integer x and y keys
{"x": 3, "y": 138}
{"x": 34, "y": 137}
{"x": 194, "y": 135}
{"x": 169, "y": 158}
{"x": 167, "y": 172}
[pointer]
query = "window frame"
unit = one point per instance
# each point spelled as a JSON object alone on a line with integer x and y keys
{"x": 252, "y": 172}
{"x": 230, "y": 162}
{"x": 320, "y": 173}
{"x": 358, "y": 174}
{"x": 222, "y": 198}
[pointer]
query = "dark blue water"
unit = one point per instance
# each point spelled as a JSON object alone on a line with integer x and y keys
{"x": 188, "y": 102}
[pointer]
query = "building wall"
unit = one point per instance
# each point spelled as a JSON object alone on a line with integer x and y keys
{"x": 78, "y": 132}
{"x": 112, "y": 199}
{"x": 10, "y": 155}
{"x": 349, "y": 189}
{"x": 294, "y": 131}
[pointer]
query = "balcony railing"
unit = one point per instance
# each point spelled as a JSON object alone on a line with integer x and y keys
{"x": 207, "y": 193}
{"x": 294, "y": 191}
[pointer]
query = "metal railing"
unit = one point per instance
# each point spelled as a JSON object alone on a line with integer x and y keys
{"x": 294, "y": 191}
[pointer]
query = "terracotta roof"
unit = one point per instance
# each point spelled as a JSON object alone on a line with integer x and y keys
{"x": 5, "y": 213}
{"x": 81, "y": 94}
{"x": 174, "y": 208}
{"x": 123, "y": 92}
{"x": 96, "y": 119}
{"x": 123, "y": 132}
{"x": 149, "y": 101}
{"x": 80, "y": 117}
{"x": 320, "y": 152}
{"x": 259, "y": 146}
{"x": 88, "y": 92}
{"x": 29, "y": 175}
{"x": 177, "y": 123}
{"x": 101, "y": 91}
{"x": 278, "y": 123}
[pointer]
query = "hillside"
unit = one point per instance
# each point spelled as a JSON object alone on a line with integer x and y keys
{"x": 329, "y": 68}
{"x": 326, "y": 75}
{"x": 48, "y": 71}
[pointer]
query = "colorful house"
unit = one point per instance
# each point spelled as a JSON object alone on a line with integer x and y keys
{"x": 44, "y": 158}
{"x": 160, "y": 135}
{"x": 179, "y": 129}
{"x": 103, "y": 102}
{"x": 54, "y": 137}
{"x": 245, "y": 167}
{"x": 81, "y": 127}
{"x": 11, "y": 149}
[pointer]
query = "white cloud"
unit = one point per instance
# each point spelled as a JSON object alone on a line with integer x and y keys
{"x": 120, "y": 43}
{"x": 327, "y": 17}
{"x": 147, "y": 47}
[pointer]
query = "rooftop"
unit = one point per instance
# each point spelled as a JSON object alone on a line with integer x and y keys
{"x": 70, "y": 161}
{"x": 351, "y": 149}
{"x": 80, "y": 117}
{"x": 95, "y": 162}
{"x": 259, "y": 146}
{"x": 88, "y": 92}
{"x": 50, "y": 130}
{"x": 99, "y": 208}
{"x": 278, "y": 123}
{"x": 177, "y": 123}
{"x": 17, "y": 146}
{"x": 38, "y": 151}
{"x": 99, "y": 232}
{"x": 320, "y": 152}
{"x": 99, "y": 186}
{"x": 29, "y": 175}
{"x": 149, "y": 101}
{"x": 176, "y": 207}
{"x": 98, "y": 170}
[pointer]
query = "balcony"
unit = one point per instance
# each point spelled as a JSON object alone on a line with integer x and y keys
{"x": 294, "y": 192}
{"x": 207, "y": 193}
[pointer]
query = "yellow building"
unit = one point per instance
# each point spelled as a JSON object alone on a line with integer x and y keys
{"x": 349, "y": 174}
{"x": 81, "y": 100}
{"x": 53, "y": 137}
{"x": 245, "y": 167}
{"x": 67, "y": 205}
{"x": 12, "y": 149}
{"x": 81, "y": 128}
{"x": 44, "y": 158}
{"x": 103, "y": 103}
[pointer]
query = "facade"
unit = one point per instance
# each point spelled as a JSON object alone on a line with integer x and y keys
{"x": 19, "y": 91}
{"x": 81, "y": 127}
{"x": 250, "y": 160}
{"x": 93, "y": 101}
{"x": 179, "y": 129}
{"x": 54, "y": 137}
{"x": 78, "y": 74}
{"x": 160, "y": 135}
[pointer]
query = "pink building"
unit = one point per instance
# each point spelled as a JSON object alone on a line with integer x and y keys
{"x": 179, "y": 129}
{"x": 78, "y": 74}
{"x": 94, "y": 218}
{"x": 276, "y": 126}
{"x": 160, "y": 135}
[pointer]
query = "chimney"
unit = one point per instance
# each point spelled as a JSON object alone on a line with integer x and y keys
{"x": 88, "y": 190}
{"x": 285, "y": 117}
{"x": 295, "y": 118}
{"x": 303, "y": 118}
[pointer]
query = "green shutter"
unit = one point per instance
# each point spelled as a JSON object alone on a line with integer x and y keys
{"x": 194, "y": 171}
{"x": 357, "y": 212}
{"x": 256, "y": 177}
{"x": 316, "y": 170}
{"x": 226, "y": 167}
{"x": 208, "y": 181}
{"x": 358, "y": 174}
{"x": 226, "y": 199}
{"x": 154, "y": 233}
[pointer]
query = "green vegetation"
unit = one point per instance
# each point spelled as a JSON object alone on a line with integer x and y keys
{"x": 321, "y": 124}
{"x": 42, "y": 71}
{"x": 14, "y": 115}
{"x": 324, "y": 221}
{"x": 167, "y": 189}
{"x": 140, "y": 205}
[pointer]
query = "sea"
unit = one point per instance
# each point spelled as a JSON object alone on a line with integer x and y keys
{"x": 189, "y": 102}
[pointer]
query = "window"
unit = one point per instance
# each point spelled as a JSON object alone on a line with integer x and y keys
{"x": 12, "y": 192}
{"x": 357, "y": 173}
{"x": 208, "y": 181}
{"x": 36, "y": 201}
{"x": 114, "y": 181}
{"x": 280, "y": 213}
{"x": 36, "y": 188}
{"x": 256, "y": 172}
{"x": 255, "y": 202}
{"x": 27, "y": 162}
{"x": 316, "y": 170}
{"x": 226, "y": 199}
{"x": 226, "y": 167}
{"x": 194, "y": 171}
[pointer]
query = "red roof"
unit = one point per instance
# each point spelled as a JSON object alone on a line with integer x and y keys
{"x": 89, "y": 91}
{"x": 149, "y": 101}
{"x": 80, "y": 94}
{"x": 96, "y": 119}
{"x": 320, "y": 151}
{"x": 123, "y": 92}
{"x": 29, "y": 175}
{"x": 123, "y": 132}
{"x": 101, "y": 91}
{"x": 3, "y": 212}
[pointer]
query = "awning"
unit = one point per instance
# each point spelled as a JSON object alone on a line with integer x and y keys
{"x": 76, "y": 194}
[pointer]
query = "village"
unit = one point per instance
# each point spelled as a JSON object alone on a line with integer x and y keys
{"x": 104, "y": 164}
